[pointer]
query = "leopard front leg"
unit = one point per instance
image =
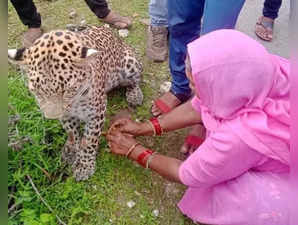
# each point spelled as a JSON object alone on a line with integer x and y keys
{"x": 132, "y": 79}
{"x": 84, "y": 165}
{"x": 134, "y": 95}
{"x": 72, "y": 126}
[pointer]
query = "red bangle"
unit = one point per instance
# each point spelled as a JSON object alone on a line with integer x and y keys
{"x": 156, "y": 124}
{"x": 142, "y": 156}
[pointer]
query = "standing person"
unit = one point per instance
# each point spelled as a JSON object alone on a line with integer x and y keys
{"x": 185, "y": 26}
{"x": 30, "y": 17}
{"x": 157, "y": 34}
{"x": 101, "y": 10}
{"x": 240, "y": 173}
{"x": 264, "y": 26}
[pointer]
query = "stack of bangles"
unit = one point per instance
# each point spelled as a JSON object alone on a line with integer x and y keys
{"x": 157, "y": 129}
{"x": 144, "y": 158}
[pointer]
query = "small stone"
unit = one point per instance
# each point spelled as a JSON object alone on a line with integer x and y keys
{"x": 106, "y": 25}
{"x": 83, "y": 22}
{"x": 72, "y": 14}
{"x": 165, "y": 87}
{"x": 70, "y": 26}
{"x": 110, "y": 220}
{"x": 107, "y": 150}
{"x": 145, "y": 21}
{"x": 131, "y": 204}
{"x": 138, "y": 120}
{"x": 137, "y": 193}
{"x": 155, "y": 212}
{"x": 123, "y": 33}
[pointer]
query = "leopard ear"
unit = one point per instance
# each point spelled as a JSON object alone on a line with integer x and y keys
{"x": 88, "y": 52}
{"x": 17, "y": 56}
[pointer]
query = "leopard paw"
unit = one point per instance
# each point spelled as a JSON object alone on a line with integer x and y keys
{"x": 134, "y": 96}
{"x": 68, "y": 154}
{"x": 83, "y": 170}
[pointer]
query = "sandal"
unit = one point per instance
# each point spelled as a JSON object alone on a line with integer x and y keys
{"x": 264, "y": 28}
{"x": 193, "y": 140}
{"x": 117, "y": 21}
{"x": 163, "y": 106}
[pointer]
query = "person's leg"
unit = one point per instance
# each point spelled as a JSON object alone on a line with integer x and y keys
{"x": 221, "y": 14}
{"x": 27, "y": 13}
{"x": 29, "y": 16}
{"x": 99, "y": 7}
{"x": 184, "y": 25}
{"x": 101, "y": 10}
{"x": 157, "y": 35}
{"x": 271, "y": 8}
{"x": 158, "y": 12}
{"x": 264, "y": 26}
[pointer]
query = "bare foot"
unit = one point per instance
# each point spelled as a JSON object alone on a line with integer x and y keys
{"x": 198, "y": 131}
{"x": 30, "y": 36}
{"x": 169, "y": 99}
{"x": 118, "y": 21}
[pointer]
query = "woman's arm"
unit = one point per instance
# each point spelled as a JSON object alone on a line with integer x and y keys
{"x": 165, "y": 166}
{"x": 121, "y": 144}
{"x": 180, "y": 117}
{"x": 223, "y": 156}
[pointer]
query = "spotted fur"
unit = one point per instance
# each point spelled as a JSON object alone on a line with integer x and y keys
{"x": 71, "y": 86}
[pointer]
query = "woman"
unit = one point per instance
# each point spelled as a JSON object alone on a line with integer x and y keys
{"x": 239, "y": 174}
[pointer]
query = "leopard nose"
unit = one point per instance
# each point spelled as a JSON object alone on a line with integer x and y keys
{"x": 52, "y": 110}
{"x": 52, "y": 115}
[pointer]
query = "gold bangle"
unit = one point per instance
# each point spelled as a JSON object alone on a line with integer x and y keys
{"x": 160, "y": 127}
{"x": 153, "y": 128}
{"x": 149, "y": 160}
{"x": 131, "y": 149}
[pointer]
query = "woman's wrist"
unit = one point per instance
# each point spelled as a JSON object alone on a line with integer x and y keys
{"x": 136, "y": 152}
{"x": 143, "y": 156}
{"x": 145, "y": 129}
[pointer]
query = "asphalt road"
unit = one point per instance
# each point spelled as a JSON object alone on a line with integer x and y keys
{"x": 251, "y": 11}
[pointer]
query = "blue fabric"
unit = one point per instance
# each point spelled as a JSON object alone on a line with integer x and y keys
{"x": 271, "y": 8}
{"x": 220, "y": 14}
{"x": 185, "y": 26}
{"x": 158, "y": 12}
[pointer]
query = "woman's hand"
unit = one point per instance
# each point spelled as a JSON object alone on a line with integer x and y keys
{"x": 128, "y": 126}
{"x": 120, "y": 143}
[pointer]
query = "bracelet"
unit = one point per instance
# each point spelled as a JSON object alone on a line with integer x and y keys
{"x": 152, "y": 126}
{"x": 158, "y": 130}
{"x": 130, "y": 150}
{"x": 142, "y": 156}
{"x": 149, "y": 159}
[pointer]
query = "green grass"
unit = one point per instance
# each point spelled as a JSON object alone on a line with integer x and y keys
{"x": 37, "y": 144}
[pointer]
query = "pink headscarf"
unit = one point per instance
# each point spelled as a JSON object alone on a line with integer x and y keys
{"x": 240, "y": 84}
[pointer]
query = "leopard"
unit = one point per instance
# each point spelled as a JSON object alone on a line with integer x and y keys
{"x": 70, "y": 74}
